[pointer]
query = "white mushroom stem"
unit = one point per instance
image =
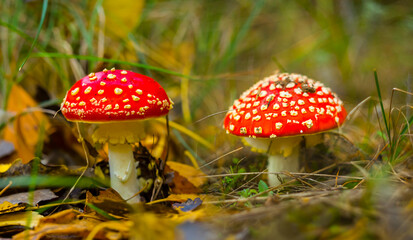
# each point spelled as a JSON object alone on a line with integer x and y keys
{"x": 123, "y": 174}
{"x": 279, "y": 163}
{"x": 283, "y": 153}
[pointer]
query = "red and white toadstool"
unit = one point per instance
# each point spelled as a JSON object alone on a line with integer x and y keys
{"x": 278, "y": 111}
{"x": 117, "y": 100}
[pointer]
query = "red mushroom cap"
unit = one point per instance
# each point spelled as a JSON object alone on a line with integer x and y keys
{"x": 285, "y": 105}
{"x": 115, "y": 95}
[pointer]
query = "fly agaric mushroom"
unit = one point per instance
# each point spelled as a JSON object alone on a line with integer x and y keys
{"x": 278, "y": 111}
{"x": 116, "y": 100}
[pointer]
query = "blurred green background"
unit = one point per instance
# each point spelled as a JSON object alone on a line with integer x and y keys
{"x": 207, "y": 52}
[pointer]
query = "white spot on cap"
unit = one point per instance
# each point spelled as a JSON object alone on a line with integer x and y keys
{"x": 256, "y": 118}
{"x": 74, "y": 91}
{"x": 298, "y": 90}
{"x": 111, "y": 76}
{"x": 311, "y": 100}
{"x": 293, "y": 113}
{"x": 300, "y": 102}
{"x": 243, "y": 130}
{"x": 278, "y": 125}
{"x": 124, "y": 80}
{"x": 124, "y": 72}
{"x": 264, "y": 107}
{"x": 263, "y": 93}
{"x": 248, "y": 116}
{"x": 112, "y": 69}
{"x": 82, "y": 103}
{"x": 108, "y": 107}
{"x": 135, "y": 98}
{"x": 101, "y": 91}
{"x": 276, "y": 106}
{"x": 125, "y": 100}
{"x": 308, "y": 123}
{"x": 284, "y": 113}
{"x": 88, "y": 89}
{"x": 104, "y": 99}
{"x": 127, "y": 106}
{"x": 138, "y": 91}
{"x": 272, "y": 87}
{"x": 290, "y": 85}
{"x": 285, "y": 94}
{"x": 258, "y": 130}
{"x": 102, "y": 83}
{"x": 231, "y": 127}
{"x": 118, "y": 91}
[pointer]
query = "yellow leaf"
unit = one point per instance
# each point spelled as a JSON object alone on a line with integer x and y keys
{"x": 7, "y": 207}
{"x": 24, "y": 130}
{"x": 193, "y": 175}
{"x": 122, "y": 16}
{"x": 5, "y": 167}
{"x": 20, "y": 218}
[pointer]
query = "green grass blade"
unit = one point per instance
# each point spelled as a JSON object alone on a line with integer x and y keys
{"x": 44, "y": 9}
{"x": 229, "y": 54}
{"x": 376, "y": 79}
{"x": 92, "y": 58}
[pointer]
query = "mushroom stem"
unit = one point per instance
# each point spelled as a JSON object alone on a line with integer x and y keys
{"x": 123, "y": 174}
{"x": 279, "y": 163}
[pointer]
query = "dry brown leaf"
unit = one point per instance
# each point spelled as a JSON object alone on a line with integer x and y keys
{"x": 24, "y": 132}
{"x": 108, "y": 201}
{"x": 72, "y": 224}
{"x": 187, "y": 179}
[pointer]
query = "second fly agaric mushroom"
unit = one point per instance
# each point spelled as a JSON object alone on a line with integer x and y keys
{"x": 117, "y": 100}
{"x": 278, "y": 111}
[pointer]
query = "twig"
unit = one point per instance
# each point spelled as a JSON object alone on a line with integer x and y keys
{"x": 216, "y": 159}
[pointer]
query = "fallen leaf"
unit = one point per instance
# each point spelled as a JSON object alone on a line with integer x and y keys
{"x": 187, "y": 206}
{"x": 179, "y": 198}
{"x": 108, "y": 201}
{"x": 72, "y": 224}
{"x": 187, "y": 179}
{"x": 24, "y": 130}
{"x": 38, "y": 196}
{"x": 20, "y": 219}
{"x": 6, "y": 207}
